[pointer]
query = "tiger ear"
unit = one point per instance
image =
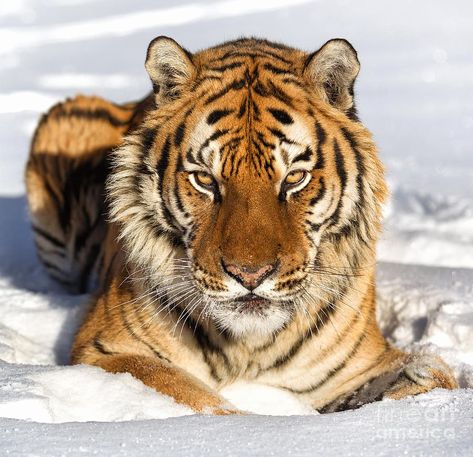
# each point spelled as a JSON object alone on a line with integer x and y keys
{"x": 333, "y": 69}
{"x": 169, "y": 66}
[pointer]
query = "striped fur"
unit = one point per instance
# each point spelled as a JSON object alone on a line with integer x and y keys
{"x": 248, "y": 157}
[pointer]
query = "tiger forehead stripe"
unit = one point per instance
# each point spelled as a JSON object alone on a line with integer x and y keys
{"x": 181, "y": 128}
{"x": 218, "y": 114}
{"x": 254, "y": 55}
{"x": 281, "y": 116}
{"x": 233, "y": 86}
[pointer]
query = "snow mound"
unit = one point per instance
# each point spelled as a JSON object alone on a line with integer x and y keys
{"x": 429, "y": 308}
{"x": 434, "y": 425}
{"x": 80, "y": 394}
{"x": 428, "y": 229}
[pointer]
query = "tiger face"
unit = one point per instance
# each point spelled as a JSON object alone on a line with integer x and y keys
{"x": 252, "y": 192}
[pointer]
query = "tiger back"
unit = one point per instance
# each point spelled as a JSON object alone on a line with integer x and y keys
{"x": 65, "y": 179}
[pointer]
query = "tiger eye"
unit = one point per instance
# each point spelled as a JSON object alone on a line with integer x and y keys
{"x": 295, "y": 177}
{"x": 204, "y": 179}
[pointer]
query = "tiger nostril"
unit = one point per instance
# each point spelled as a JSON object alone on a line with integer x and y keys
{"x": 248, "y": 276}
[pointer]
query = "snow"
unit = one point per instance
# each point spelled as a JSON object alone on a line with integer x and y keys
{"x": 415, "y": 92}
{"x": 57, "y": 394}
{"x": 437, "y": 424}
{"x": 428, "y": 228}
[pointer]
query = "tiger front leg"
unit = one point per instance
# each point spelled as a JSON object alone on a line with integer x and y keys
{"x": 421, "y": 372}
{"x": 408, "y": 374}
{"x": 169, "y": 380}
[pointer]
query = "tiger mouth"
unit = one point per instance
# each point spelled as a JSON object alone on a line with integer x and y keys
{"x": 252, "y": 302}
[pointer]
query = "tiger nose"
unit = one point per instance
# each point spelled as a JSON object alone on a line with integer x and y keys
{"x": 247, "y": 276}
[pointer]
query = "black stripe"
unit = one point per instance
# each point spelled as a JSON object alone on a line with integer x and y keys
{"x": 254, "y": 55}
{"x": 314, "y": 227}
{"x": 54, "y": 269}
{"x": 263, "y": 141}
{"x": 315, "y": 328}
{"x": 334, "y": 370}
{"x": 98, "y": 113}
{"x": 62, "y": 205}
{"x": 260, "y": 89}
{"x": 342, "y": 174}
{"x": 217, "y": 134}
{"x": 88, "y": 266}
{"x": 50, "y": 252}
{"x": 179, "y": 203}
{"x": 190, "y": 158}
{"x": 100, "y": 347}
{"x": 282, "y": 138}
{"x": 340, "y": 164}
{"x": 80, "y": 182}
{"x": 147, "y": 139}
{"x": 235, "y": 85}
{"x": 281, "y": 116}
{"x": 279, "y": 94}
{"x": 256, "y": 43}
{"x": 181, "y": 129}
{"x": 242, "y": 109}
{"x": 276, "y": 70}
{"x": 163, "y": 163}
{"x": 335, "y": 405}
{"x": 317, "y": 226}
{"x": 179, "y": 133}
{"x": 320, "y": 194}
{"x": 180, "y": 206}
{"x": 321, "y": 138}
{"x": 47, "y": 236}
{"x": 207, "y": 346}
{"x": 254, "y": 106}
{"x": 292, "y": 80}
{"x": 137, "y": 338}
{"x": 161, "y": 168}
{"x": 229, "y": 66}
{"x": 360, "y": 166}
{"x": 304, "y": 156}
{"x": 81, "y": 237}
{"x": 232, "y": 143}
{"x": 179, "y": 164}
{"x": 218, "y": 114}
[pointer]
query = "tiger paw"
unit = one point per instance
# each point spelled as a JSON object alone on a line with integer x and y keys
{"x": 420, "y": 373}
{"x": 226, "y": 412}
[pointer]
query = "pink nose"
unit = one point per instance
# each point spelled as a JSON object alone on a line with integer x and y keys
{"x": 249, "y": 277}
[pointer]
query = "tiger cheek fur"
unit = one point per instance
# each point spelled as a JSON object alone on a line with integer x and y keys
{"x": 244, "y": 201}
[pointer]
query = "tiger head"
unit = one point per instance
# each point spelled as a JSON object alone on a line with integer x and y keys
{"x": 251, "y": 190}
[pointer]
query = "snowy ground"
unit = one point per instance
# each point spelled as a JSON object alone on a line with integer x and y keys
{"x": 415, "y": 92}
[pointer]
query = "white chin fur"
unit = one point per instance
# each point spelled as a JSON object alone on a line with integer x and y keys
{"x": 242, "y": 324}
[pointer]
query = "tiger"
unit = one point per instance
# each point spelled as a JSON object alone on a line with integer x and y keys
{"x": 227, "y": 226}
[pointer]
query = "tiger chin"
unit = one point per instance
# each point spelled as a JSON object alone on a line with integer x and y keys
{"x": 230, "y": 219}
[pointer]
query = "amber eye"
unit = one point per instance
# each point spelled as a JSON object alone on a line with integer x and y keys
{"x": 204, "y": 182}
{"x": 294, "y": 178}
{"x": 204, "y": 179}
